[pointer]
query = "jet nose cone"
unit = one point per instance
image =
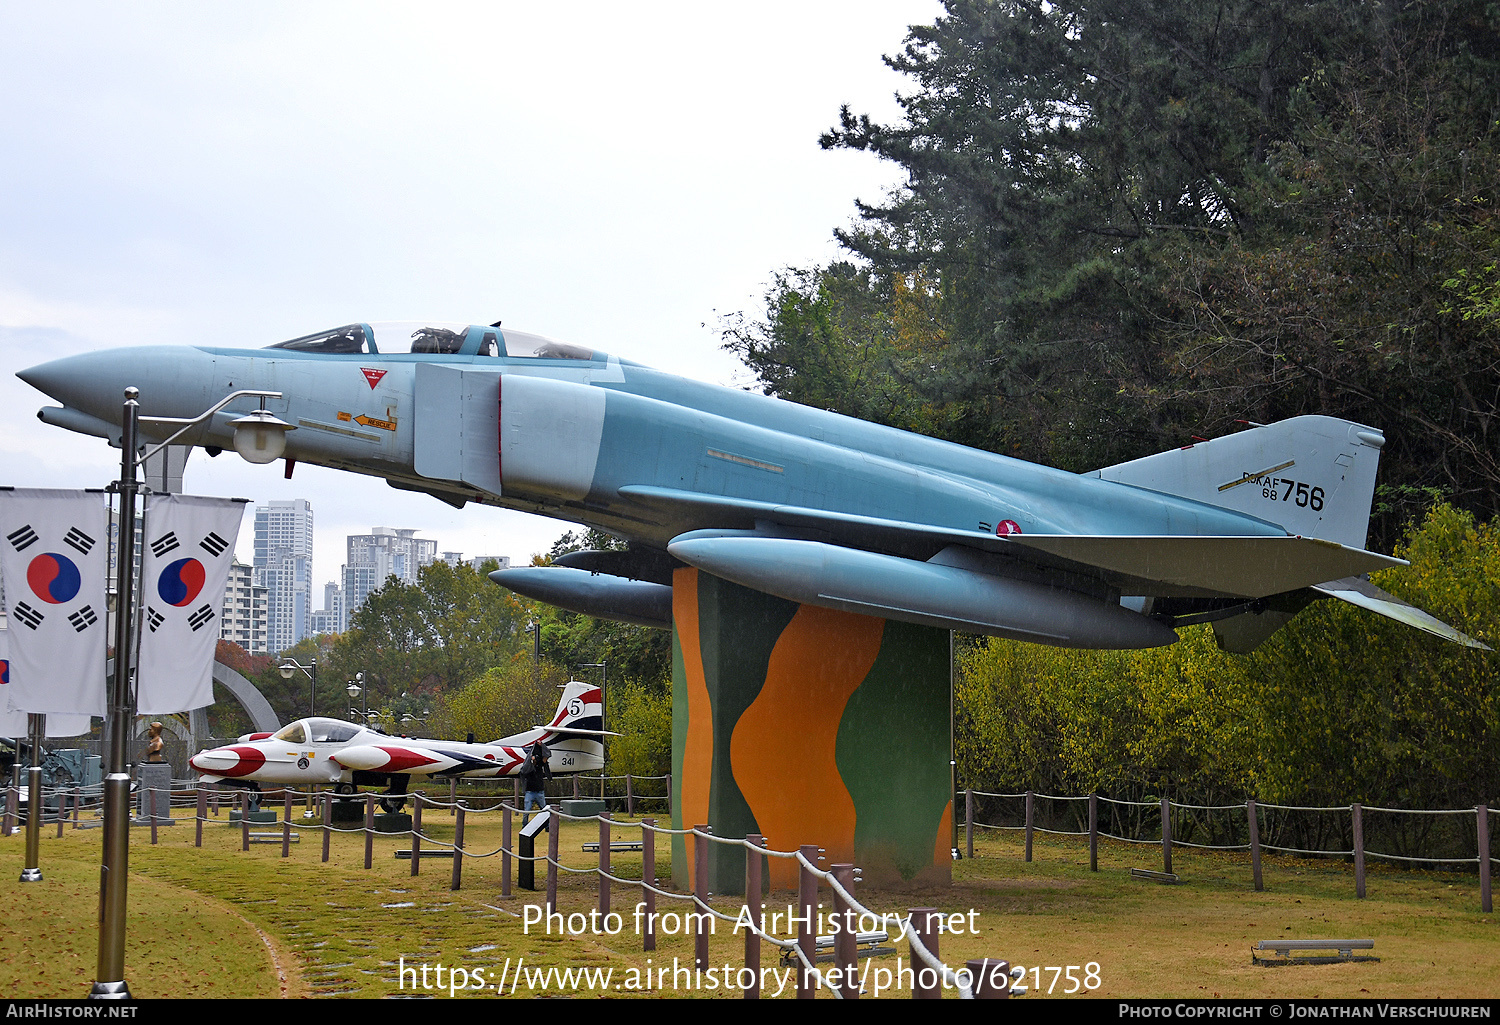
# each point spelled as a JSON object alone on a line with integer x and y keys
{"x": 228, "y": 761}
{"x": 52, "y": 378}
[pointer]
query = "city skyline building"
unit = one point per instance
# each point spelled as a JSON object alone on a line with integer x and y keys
{"x": 242, "y": 617}
{"x": 372, "y": 559}
{"x": 283, "y": 566}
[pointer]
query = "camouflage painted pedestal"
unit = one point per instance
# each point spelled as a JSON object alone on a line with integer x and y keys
{"x": 809, "y": 726}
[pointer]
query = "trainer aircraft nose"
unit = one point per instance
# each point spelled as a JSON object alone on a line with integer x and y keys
{"x": 228, "y": 761}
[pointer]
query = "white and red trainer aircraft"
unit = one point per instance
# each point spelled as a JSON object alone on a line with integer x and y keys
{"x": 319, "y": 751}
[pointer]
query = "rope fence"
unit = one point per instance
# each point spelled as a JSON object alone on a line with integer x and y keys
{"x": 1218, "y": 827}
{"x": 920, "y": 927}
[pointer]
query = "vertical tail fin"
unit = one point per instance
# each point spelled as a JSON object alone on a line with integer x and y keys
{"x": 1312, "y": 475}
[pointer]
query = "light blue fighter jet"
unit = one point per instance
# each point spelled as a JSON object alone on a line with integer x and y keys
{"x": 818, "y": 508}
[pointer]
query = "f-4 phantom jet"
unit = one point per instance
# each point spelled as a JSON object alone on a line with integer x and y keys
{"x": 1242, "y": 531}
{"x": 322, "y": 751}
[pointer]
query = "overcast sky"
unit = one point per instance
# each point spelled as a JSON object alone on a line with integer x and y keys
{"x": 618, "y": 175}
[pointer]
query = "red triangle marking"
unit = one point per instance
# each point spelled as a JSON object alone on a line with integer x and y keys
{"x": 373, "y": 376}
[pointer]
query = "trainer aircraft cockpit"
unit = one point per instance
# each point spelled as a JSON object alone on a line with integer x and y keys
{"x": 433, "y": 338}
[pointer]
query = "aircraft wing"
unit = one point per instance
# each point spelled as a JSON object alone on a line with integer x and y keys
{"x": 1357, "y": 591}
{"x": 1175, "y": 565}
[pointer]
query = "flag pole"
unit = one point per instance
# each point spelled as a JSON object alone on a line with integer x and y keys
{"x": 109, "y": 982}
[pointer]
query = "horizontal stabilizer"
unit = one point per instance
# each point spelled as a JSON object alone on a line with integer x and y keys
{"x": 1366, "y": 595}
{"x": 577, "y": 733}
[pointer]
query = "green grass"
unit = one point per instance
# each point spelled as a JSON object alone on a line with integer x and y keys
{"x": 341, "y": 930}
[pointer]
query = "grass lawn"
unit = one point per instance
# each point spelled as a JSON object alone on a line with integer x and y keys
{"x": 219, "y": 922}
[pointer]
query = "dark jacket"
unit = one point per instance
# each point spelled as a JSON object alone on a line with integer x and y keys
{"x": 537, "y": 770}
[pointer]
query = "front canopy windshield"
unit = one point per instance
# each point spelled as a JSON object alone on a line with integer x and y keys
{"x": 436, "y": 338}
{"x": 431, "y": 337}
{"x": 292, "y": 733}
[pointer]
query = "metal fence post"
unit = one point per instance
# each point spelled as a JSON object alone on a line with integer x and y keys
{"x": 1254, "y": 819}
{"x": 629, "y": 796}
{"x": 327, "y": 828}
{"x": 1359, "y": 850}
{"x": 244, "y": 820}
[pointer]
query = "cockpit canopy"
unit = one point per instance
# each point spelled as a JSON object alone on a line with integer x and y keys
{"x": 435, "y": 338}
{"x": 317, "y": 731}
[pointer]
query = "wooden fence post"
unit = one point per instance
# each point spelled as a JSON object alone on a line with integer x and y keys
{"x": 989, "y": 979}
{"x": 807, "y": 899}
{"x": 1030, "y": 812}
{"x": 1166, "y": 836}
{"x": 202, "y": 812}
{"x": 1093, "y": 832}
{"x": 845, "y": 944}
{"x": 505, "y": 849}
{"x": 648, "y": 876}
{"x": 1253, "y": 817}
{"x": 700, "y": 891}
{"x": 969, "y": 823}
{"x": 921, "y": 925}
{"x": 369, "y": 830}
{"x": 753, "y": 843}
{"x": 458, "y": 849}
{"x": 1359, "y": 850}
{"x": 1482, "y": 826}
{"x": 416, "y": 833}
{"x": 604, "y": 842}
{"x": 553, "y": 825}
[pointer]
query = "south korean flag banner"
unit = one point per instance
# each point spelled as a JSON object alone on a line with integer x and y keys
{"x": 54, "y": 550}
{"x": 186, "y": 551}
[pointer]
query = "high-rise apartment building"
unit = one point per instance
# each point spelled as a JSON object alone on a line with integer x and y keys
{"x": 242, "y": 617}
{"x": 283, "y": 566}
{"x": 373, "y": 558}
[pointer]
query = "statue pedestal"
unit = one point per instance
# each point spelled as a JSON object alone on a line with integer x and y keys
{"x": 808, "y": 726}
{"x": 155, "y": 779}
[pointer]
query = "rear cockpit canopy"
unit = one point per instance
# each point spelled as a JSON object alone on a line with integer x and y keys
{"x": 436, "y": 338}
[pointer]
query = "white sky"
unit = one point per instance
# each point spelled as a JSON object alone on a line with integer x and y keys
{"x": 619, "y": 175}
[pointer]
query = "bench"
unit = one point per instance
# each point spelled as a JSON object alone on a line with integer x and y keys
{"x": 1283, "y": 949}
{"x": 615, "y": 845}
{"x": 867, "y": 944}
{"x": 272, "y": 838}
{"x": 1167, "y": 878}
